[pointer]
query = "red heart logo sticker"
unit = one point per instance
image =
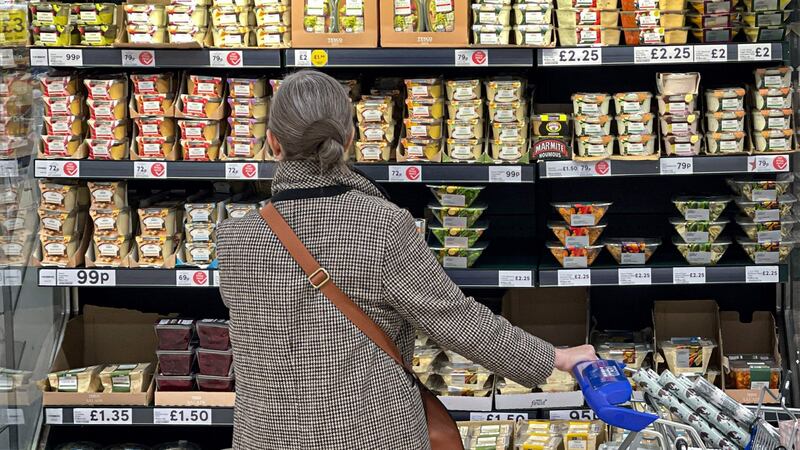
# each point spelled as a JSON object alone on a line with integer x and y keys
{"x": 601, "y": 167}
{"x": 479, "y": 57}
{"x": 146, "y": 58}
{"x": 780, "y": 162}
{"x": 157, "y": 169}
{"x": 234, "y": 58}
{"x": 249, "y": 170}
{"x": 199, "y": 278}
{"x": 412, "y": 173}
{"x": 70, "y": 168}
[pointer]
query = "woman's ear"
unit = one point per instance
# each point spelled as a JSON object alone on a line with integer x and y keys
{"x": 274, "y": 145}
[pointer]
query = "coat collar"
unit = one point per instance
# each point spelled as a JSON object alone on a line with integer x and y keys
{"x": 293, "y": 175}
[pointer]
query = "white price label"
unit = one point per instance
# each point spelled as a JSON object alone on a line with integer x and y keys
{"x": 94, "y": 416}
{"x": 472, "y": 58}
{"x": 515, "y": 278}
{"x": 576, "y": 277}
{"x": 572, "y": 57}
{"x": 54, "y": 416}
{"x": 761, "y": 274}
{"x": 768, "y": 163}
{"x": 663, "y": 55}
{"x": 47, "y": 277}
{"x": 572, "y": 414}
{"x": 150, "y": 169}
{"x": 241, "y": 171}
{"x": 13, "y": 416}
{"x": 498, "y": 416}
{"x": 138, "y": 58}
{"x": 302, "y": 58}
{"x": 191, "y": 278}
{"x": 631, "y": 277}
{"x": 505, "y": 174}
{"x": 572, "y": 169}
{"x": 225, "y": 58}
{"x": 57, "y": 169}
{"x": 86, "y": 277}
{"x": 688, "y": 275}
{"x": 6, "y": 57}
{"x": 70, "y": 57}
{"x": 710, "y": 53}
{"x": 677, "y": 166}
{"x": 412, "y": 174}
{"x": 181, "y": 416}
{"x": 8, "y": 169}
{"x": 39, "y": 57}
{"x": 12, "y": 277}
{"x": 755, "y": 52}
{"x": 215, "y": 278}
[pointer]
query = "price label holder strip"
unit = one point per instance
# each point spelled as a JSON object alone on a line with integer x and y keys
{"x": 646, "y": 275}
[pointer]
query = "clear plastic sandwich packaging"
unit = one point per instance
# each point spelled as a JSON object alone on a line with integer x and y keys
{"x": 459, "y": 382}
{"x": 156, "y": 25}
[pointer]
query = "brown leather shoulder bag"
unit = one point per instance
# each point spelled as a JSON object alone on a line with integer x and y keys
{"x": 442, "y": 430}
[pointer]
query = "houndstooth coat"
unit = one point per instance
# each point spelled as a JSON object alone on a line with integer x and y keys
{"x": 305, "y": 376}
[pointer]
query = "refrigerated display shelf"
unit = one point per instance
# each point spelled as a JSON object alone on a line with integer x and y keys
{"x": 153, "y": 58}
{"x": 552, "y": 276}
{"x": 696, "y": 165}
{"x": 138, "y": 415}
{"x": 186, "y": 170}
{"x": 187, "y": 277}
{"x": 430, "y": 172}
{"x": 407, "y": 57}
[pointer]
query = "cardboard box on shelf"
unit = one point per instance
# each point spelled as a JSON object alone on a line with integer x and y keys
{"x": 105, "y": 336}
{"x": 562, "y": 320}
{"x": 456, "y": 38}
{"x": 756, "y": 336}
{"x": 366, "y": 39}
{"x": 688, "y": 318}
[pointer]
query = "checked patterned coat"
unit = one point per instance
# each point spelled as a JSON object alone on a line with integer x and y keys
{"x": 305, "y": 376}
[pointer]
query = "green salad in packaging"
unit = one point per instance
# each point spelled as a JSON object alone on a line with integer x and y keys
{"x": 454, "y": 216}
{"x": 441, "y": 15}
{"x": 699, "y": 208}
{"x": 455, "y": 195}
{"x": 772, "y": 231}
{"x": 458, "y": 237}
{"x": 407, "y": 15}
{"x": 458, "y": 258}
{"x": 698, "y": 231}
{"x": 702, "y": 254}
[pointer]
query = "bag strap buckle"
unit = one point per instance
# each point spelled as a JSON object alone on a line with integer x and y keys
{"x": 319, "y": 273}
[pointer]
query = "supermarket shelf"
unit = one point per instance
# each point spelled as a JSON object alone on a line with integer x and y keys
{"x": 141, "y": 415}
{"x": 697, "y": 165}
{"x": 155, "y": 58}
{"x": 660, "y": 275}
{"x": 480, "y": 278}
{"x": 659, "y": 54}
{"x": 108, "y": 170}
{"x": 410, "y": 57}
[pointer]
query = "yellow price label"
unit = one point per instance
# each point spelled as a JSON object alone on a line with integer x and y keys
{"x": 13, "y": 26}
{"x": 319, "y": 58}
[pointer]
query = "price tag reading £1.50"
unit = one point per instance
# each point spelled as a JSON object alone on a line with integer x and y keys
{"x": 182, "y": 416}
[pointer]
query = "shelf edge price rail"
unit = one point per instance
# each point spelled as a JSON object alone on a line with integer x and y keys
{"x": 571, "y": 57}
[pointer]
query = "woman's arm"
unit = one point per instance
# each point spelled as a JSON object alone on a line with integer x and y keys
{"x": 419, "y": 289}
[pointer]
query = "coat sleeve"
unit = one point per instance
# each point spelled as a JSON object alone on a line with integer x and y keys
{"x": 419, "y": 289}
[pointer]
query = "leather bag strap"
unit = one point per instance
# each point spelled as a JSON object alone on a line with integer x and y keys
{"x": 320, "y": 279}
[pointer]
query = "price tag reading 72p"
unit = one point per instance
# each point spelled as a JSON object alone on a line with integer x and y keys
{"x": 405, "y": 173}
{"x": 241, "y": 171}
{"x": 57, "y": 169}
{"x": 149, "y": 169}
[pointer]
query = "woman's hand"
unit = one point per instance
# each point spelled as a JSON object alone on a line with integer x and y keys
{"x": 566, "y": 358}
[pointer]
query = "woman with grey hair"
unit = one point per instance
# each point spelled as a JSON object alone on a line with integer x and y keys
{"x": 306, "y": 376}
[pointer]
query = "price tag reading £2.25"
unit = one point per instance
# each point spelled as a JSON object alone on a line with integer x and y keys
{"x": 688, "y": 275}
{"x": 762, "y": 274}
{"x": 515, "y": 278}
{"x": 576, "y": 277}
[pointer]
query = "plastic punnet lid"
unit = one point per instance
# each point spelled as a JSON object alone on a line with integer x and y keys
{"x": 212, "y": 323}
{"x": 562, "y": 224}
{"x": 785, "y": 198}
{"x": 744, "y": 220}
{"x": 175, "y": 324}
{"x": 573, "y": 204}
{"x": 201, "y": 377}
{"x": 681, "y": 220}
{"x": 215, "y": 352}
{"x": 701, "y": 198}
{"x": 677, "y": 240}
{"x": 187, "y": 352}
{"x": 791, "y": 241}
{"x": 178, "y": 445}
{"x": 481, "y": 225}
{"x": 649, "y": 242}
{"x": 557, "y": 244}
{"x": 684, "y": 341}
